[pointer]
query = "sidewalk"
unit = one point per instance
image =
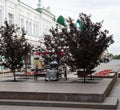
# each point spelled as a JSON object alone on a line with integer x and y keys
{"x": 3, "y": 107}
{"x": 31, "y": 85}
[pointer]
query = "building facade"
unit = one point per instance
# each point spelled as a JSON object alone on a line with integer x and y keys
{"x": 35, "y": 22}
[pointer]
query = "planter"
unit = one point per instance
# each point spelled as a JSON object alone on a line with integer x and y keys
{"x": 84, "y": 74}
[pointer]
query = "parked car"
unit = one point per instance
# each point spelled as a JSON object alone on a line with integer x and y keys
{"x": 104, "y": 60}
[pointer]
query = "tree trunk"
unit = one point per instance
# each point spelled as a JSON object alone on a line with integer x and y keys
{"x": 84, "y": 74}
{"x": 14, "y": 75}
{"x": 26, "y": 60}
{"x": 26, "y": 70}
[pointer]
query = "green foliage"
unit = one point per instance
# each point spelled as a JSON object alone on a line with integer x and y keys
{"x": 87, "y": 44}
{"x": 82, "y": 45}
{"x": 116, "y": 57}
{"x": 13, "y": 46}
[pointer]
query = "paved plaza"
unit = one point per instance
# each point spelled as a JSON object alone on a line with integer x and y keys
{"x": 30, "y": 84}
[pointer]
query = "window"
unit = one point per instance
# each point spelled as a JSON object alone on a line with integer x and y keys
{"x": 22, "y": 23}
{"x": 27, "y": 26}
{"x": 34, "y": 29}
{"x": 10, "y": 18}
{"x": 30, "y": 28}
{"x": 1, "y": 1}
{"x": 19, "y": 20}
{"x": 0, "y": 17}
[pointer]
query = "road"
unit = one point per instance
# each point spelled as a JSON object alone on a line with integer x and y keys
{"x": 114, "y": 65}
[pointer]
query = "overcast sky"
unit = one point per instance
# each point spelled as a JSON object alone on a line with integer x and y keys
{"x": 107, "y": 10}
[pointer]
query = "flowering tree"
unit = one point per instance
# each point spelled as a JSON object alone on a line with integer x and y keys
{"x": 57, "y": 45}
{"x": 13, "y": 46}
{"x": 82, "y": 42}
{"x": 87, "y": 42}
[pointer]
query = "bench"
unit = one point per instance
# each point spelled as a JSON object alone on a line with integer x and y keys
{"x": 39, "y": 73}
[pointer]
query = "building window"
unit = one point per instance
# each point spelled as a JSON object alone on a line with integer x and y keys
{"x": 30, "y": 28}
{"x": 1, "y": 1}
{"x": 27, "y": 27}
{"x": 0, "y": 17}
{"x": 34, "y": 29}
{"x": 10, "y": 18}
{"x": 22, "y": 23}
{"x": 19, "y": 20}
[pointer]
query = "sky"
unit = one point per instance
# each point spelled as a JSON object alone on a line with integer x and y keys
{"x": 107, "y": 10}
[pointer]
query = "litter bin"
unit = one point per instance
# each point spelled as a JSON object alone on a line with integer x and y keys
{"x": 52, "y": 72}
